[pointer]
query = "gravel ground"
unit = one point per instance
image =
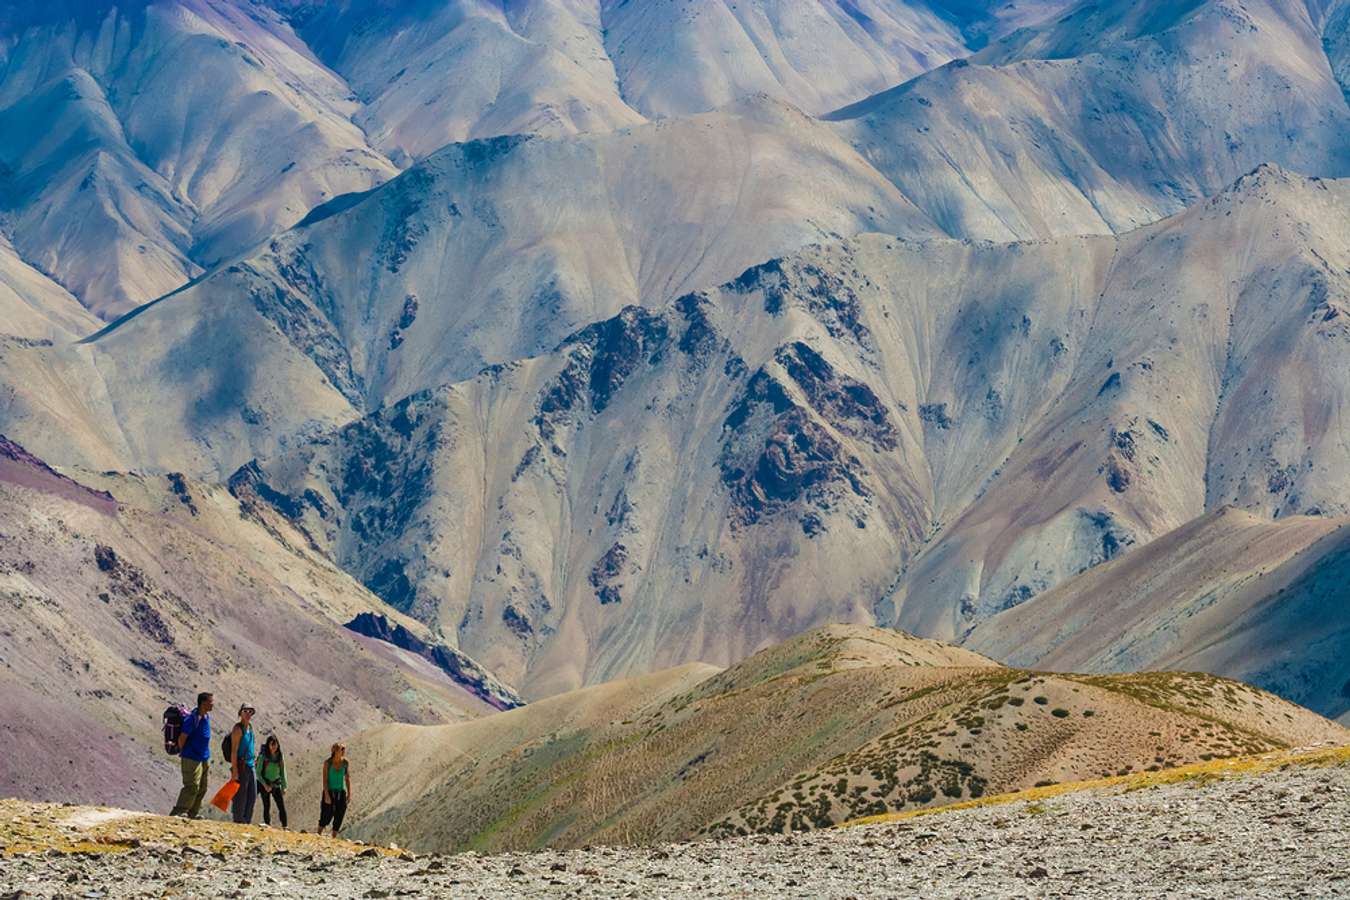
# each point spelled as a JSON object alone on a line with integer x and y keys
{"x": 1279, "y": 834}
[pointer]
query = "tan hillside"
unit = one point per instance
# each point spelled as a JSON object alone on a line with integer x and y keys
{"x": 839, "y": 722}
{"x": 33, "y": 308}
{"x": 1231, "y": 592}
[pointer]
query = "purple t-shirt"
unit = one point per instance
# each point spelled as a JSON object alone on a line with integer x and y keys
{"x": 198, "y": 731}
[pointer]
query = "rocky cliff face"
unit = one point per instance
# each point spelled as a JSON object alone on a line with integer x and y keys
{"x": 844, "y": 434}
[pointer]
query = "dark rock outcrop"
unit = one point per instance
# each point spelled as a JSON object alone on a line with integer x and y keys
{"x": 777, "y": 457}
{"x": 457, "y": 666}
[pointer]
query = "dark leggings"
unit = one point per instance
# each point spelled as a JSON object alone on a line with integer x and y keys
{"x": 333, "y": 812}
{"x": 278, "y": 795}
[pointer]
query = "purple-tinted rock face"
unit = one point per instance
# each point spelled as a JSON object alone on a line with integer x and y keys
{"x": 460, "y": 668}
{"x": 19, "y": 466}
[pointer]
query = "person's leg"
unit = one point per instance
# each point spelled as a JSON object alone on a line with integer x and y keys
{"x": 267, "y": 806}
{"x": 247, "y": 796}
{"x": 339, "y": 810}
{"x": 203, "y": 771}
{"x": 280, "y": 797}
{"x": 188, "y": 769}
{"x": 252, "y": 796}
{"x": 194, "y": 788}
{"x": 325, "y": 814}
{"x": 237, "y": 804}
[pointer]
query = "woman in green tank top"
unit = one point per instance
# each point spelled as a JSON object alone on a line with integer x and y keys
{"x": 272, "y": 779}
{"x": 337, "y": 789}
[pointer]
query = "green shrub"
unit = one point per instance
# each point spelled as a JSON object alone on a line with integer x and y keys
{"x": 1059, "y": 713}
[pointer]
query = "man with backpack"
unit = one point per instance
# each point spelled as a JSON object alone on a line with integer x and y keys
{"x": 194, "y": 749}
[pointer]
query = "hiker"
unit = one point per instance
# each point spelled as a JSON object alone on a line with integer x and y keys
{"x": 337, "y": 789}
{"x": 194, "y": 751}
{"x": 272, "y": 779}
{"x": 243, "y": 757}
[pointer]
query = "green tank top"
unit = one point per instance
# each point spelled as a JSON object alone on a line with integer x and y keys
{"x": 337, "y": 777}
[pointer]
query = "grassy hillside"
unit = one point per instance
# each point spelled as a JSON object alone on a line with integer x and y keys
{"x": 841, "y": 722}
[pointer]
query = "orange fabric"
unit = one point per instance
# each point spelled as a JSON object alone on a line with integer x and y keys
{"x": 221, "y": 800}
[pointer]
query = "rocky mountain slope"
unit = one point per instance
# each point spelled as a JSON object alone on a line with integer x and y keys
{"x": 1109, "y": 117}
{"x": 844, "y": 435}
{"x": 432, "y": 73}
{"x": 837, "y": 723}
{"x": 146, "y": 142}
{"x": 140, "y": 143}
{"x": 494, "y": 250}
{"x": 87, "y": 141}
{"x": 139, "y": 591}
{"x": 1270, "y": 827}
{"x": 35, "y": 308}
{"x": 1259, "y": 600}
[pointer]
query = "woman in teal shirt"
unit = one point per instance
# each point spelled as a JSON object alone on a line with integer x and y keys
{"x": 244, "y": 757}
{"x": 337, "y": 789}
{"x": 272, "y": 779}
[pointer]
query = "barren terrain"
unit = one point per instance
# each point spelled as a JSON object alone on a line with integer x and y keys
{"x": 1278, "y": 827}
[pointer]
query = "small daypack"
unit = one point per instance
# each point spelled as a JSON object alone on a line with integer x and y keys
{"x": 225, "y": 746}
{"x": 173, "y": 728}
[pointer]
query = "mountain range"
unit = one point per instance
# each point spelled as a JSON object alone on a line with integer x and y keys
{"x": 555, "y": 343}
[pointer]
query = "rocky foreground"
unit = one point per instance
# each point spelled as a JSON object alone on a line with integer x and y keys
{"x": 1273, "y": 826}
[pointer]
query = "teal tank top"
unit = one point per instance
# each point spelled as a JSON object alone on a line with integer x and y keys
{"x": 246, "y": 748}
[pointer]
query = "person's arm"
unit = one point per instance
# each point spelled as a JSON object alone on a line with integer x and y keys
{"x": 185, "y": 730}
{"x": 327, "y": 797}
{"x": 347, "y": 772}
{"x": 260, "y": 771}
{"x": 281, "y": 783}
{"x": 236, "y": 738}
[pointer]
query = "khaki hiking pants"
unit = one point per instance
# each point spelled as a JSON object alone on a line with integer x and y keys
{"x": 194, "y": 788}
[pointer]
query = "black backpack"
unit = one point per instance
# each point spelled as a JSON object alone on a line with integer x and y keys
{"x": 173, "y": 728}
{"x": 225, "y": 746}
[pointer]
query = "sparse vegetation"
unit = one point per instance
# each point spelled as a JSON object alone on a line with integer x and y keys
{"x": 1204, "y": 771}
